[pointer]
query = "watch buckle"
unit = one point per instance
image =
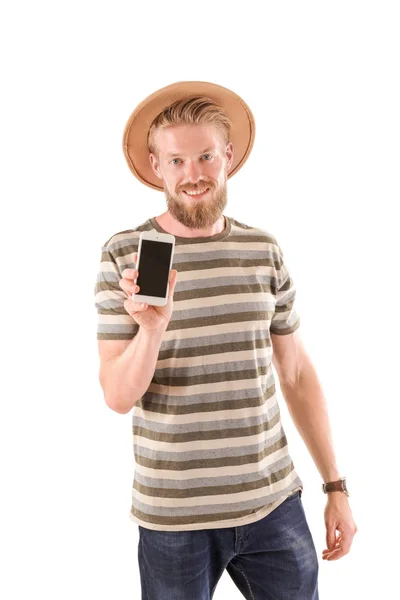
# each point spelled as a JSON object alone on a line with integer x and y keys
{"x": 344, "y": 489}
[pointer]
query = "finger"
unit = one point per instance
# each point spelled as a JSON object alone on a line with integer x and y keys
{"x": 329, "y": 556}
{"x": 346, "y": 539}
{"x": 343, "y": 548}
{"x": 326, "y": 553}
{"x": 338, "y": 553}
{"x": 135, "y": 289}
{"x": 130, "y": 273}
{"x": 139, "y": 306}
{"x": 332, "y": 546}
{"x": 327, "y": 550}
{"x": 331, "y": 535}
{"x": 129, "y": 288}
{"x": 134, "y": 307}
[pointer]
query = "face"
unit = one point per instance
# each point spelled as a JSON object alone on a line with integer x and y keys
{"x": 190, "y": 159}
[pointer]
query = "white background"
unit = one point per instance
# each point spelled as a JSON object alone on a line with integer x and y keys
{"x": 322, "y": 80}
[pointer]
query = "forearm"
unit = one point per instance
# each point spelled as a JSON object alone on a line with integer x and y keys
{"x": 132, "y": 371}
{"x": 308, "y": 409}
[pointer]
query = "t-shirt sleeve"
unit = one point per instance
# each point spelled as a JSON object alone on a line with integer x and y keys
{"x": 113, "y": 322}
{"x": 285, "y": 319}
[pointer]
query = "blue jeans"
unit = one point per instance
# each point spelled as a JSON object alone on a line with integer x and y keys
{"x": 271, "y": 559}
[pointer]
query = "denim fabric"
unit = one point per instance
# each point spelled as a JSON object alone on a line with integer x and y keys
{"x": 271, "y": 559}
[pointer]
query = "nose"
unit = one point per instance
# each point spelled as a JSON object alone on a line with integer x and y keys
{"x": 193, "y": 171}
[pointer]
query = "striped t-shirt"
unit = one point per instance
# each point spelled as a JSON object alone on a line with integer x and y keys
{"x": 208, "y": 442}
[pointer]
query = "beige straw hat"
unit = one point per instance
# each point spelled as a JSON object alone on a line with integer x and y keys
{"x": 136, "y": 130}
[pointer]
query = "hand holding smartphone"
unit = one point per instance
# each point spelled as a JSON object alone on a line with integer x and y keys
{"x": 155, "y": 255}
{"x": 150, "y": 316}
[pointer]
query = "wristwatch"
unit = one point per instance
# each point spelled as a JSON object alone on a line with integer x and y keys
{"x": 336, "y": 486}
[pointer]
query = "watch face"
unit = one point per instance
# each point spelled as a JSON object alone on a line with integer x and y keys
{"x": 344, "y": 485}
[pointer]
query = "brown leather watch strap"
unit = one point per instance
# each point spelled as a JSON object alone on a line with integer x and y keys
{"x": 336, "y": 486}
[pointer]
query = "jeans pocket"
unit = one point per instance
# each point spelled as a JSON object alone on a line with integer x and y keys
{"x": 295, "y": 495}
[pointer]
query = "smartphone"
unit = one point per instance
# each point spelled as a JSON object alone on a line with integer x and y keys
{"x": 155, "y": 254}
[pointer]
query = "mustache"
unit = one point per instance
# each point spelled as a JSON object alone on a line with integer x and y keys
{"x": 200, "y": 186}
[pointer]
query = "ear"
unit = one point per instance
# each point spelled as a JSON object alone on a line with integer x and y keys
{"x": 155, "y": 165}
{"x": 229, "y": 152}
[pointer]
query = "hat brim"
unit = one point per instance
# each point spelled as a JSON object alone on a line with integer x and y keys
{"x": 136, "y": 130}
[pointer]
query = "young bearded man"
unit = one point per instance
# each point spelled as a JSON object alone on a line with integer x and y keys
{"x": 215, "y": 487}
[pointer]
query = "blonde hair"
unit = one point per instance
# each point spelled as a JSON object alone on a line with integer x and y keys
{"x": 196, "y": 110}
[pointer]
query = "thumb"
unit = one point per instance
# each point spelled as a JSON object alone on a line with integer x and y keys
{"x": 172, "y": 281}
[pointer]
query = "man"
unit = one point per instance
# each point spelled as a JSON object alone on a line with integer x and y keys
{"x": 215, "y": 486}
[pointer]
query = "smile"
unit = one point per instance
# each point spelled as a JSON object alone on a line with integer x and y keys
{"x": 196, "y": 194}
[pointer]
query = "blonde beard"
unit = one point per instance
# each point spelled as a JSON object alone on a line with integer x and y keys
{"x": 201, "y": 214}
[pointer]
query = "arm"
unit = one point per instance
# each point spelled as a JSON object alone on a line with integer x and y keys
{"x": 126, "y": 375}
{"x": 305, "y": 400}
{"x": 128, "y": 353}
{"x": 297, "y": 377}
{"x": 306, "y": 403}
{"x": 307, "y": 407}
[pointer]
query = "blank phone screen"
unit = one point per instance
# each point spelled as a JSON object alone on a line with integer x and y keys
{"x": 153, "y": 268}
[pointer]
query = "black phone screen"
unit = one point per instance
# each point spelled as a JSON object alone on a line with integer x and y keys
{"x": 153, "y": 268}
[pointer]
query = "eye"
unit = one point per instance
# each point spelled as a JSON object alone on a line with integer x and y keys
{"x": 174, "y": 163}
{"x": 210, "y": 155}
